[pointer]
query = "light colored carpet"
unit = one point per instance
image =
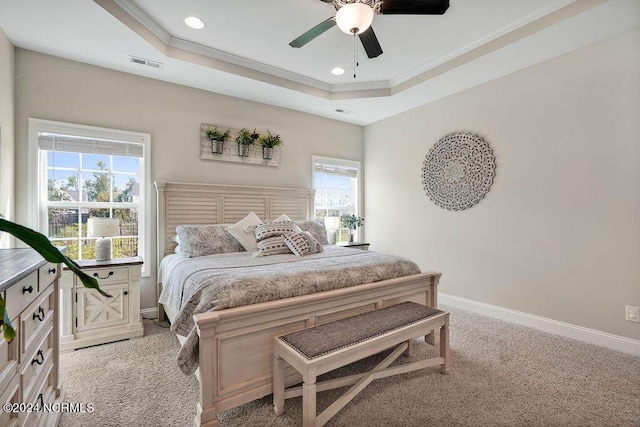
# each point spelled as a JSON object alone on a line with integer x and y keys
{"x": 503, "y": 375}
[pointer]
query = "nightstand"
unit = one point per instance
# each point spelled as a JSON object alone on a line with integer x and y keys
{"x": 355, "y": 245}
{"x": 88, "y": 318}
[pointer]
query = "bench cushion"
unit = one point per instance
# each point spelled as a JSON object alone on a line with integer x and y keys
{"x": 324, "y": 339}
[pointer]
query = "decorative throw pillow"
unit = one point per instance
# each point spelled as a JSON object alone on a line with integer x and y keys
{"x": 273, "y": 229}
{"x": 242, "y": 232}
{"x": 274, "y": 245}
{"x": 285, "y": 218}
{"x": 316, "y": 228}
{"x": 200, "y": 240}
{"x": 302, "y": 244}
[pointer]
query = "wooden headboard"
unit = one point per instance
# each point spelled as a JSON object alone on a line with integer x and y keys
{"x": 191, "y": 203}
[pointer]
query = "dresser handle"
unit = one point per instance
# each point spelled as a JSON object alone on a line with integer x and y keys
{"x": 39, "y": 315}
{"x": 105, "y": 277}
{"x": 125, "y": 293}
{"x": 41, "y": 399}
{"x": 38, "y": 355}
{"x": 52, "y": 270}
{"x": 25, "y": 289}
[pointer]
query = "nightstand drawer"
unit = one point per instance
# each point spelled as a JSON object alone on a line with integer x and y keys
{"x": 34, "y": 319}
{"x": 22, "y": 294}
{"x": 10, "y": 394}
{"x": 107, "y": 275}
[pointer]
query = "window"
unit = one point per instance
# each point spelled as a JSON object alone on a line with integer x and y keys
{"x": 337, "y": 184}
{"x": 87, "y": 172}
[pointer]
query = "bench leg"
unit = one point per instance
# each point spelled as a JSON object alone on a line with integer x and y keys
{"x": 309, "y": 402}
{"x": 433, "y": 337}
{"x": 444, "y": 346}
{"x": 278, "y": 384}
{"x": 409, "y": 349}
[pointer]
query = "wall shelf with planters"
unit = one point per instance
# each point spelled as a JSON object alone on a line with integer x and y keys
{"x": 252, "y": 152}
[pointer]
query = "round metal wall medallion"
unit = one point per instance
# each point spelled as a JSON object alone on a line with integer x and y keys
{"x": 458, "y": 171}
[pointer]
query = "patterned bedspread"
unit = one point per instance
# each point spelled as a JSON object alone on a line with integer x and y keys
{"x": 216, "y": 282}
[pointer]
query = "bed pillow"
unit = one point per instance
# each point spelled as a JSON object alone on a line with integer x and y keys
{"x": 269, "y": 237}
{"x": 302, "y": 244}
{"x": 273, "y": 229}
{"x": 316, "y": 228}
{"x": 242, "y": 231}
{"x": 200, "y": 240}
{"x": 272, "y": 246}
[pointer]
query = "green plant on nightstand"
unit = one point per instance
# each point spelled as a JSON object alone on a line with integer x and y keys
{"x": 268, "y": 142}
{"x": 351, "y": 222}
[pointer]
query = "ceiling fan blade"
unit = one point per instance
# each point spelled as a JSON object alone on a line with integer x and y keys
{"x": 370, "y": 43}
{"x": 414, "y": 7}
{"x": 314, "y": 32}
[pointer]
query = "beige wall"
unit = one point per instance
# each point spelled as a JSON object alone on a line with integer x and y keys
{"x": 57, "y": 89}
{"x": 558, "y": 235}
{"x": 7, "y": 98}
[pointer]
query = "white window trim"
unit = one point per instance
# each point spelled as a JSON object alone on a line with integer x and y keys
{"x": 348, "y": 163}
{"x": 35, "y": 210}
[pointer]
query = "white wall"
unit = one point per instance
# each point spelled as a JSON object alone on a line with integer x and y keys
{"x": 57, "y": 89}
{"x": 7, "y": 141}
{"x": 558, "y": 235}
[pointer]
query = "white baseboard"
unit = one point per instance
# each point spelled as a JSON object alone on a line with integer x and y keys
{"x": 592, "y": 336}
{"x": 149, "y": 313}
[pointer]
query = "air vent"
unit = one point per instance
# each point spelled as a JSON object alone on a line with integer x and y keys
{"x": 147, "y": 62}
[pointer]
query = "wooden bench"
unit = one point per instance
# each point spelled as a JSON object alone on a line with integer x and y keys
{"x": 319, "y": 349}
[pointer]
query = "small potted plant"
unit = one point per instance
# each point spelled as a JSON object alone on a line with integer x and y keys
{"x": 351, "y": 222}
{"x": 269, "y": 141}
{"x": 217, "y": 137}
{"x": 245, "y": 140}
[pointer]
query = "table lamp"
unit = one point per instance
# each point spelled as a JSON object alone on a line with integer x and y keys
{"x": 104, "y": 228}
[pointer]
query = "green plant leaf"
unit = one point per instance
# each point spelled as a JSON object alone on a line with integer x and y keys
{"x": 7, "y": 328}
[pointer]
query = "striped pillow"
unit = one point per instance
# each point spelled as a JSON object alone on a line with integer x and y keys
{"x": 272, "y": 246}
{"x": 302, "y": 244}
{"x": 273, "y": 229}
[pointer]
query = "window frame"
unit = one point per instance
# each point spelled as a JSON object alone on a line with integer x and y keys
{"x": 359, "y": 235}
{"x": 37, "y": 176}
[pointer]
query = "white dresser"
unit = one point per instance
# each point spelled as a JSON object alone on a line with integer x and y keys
{"x": 88, "y": 318}
{"x": 29, "y": 363}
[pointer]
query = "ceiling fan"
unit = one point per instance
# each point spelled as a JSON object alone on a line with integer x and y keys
{"x": 355, "y": 17}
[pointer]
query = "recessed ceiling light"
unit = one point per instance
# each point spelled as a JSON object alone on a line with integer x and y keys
{"x": 194, "y": 22}
{"x": 337, "y": 71}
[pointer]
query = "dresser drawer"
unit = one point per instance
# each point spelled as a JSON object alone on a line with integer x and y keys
{"x": 107, "y": 275}
{"x": 46, "y": 275}
{"x": 34, "y": 363}
{"x": 20, "y": 295}
{"x": 10, "y": 394}
{"x": 40, "y": 394}
{"x": 8, "y": 358}
{"x": 34, "y": 319}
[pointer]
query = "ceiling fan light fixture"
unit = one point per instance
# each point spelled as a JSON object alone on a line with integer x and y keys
{"x": 194, "y": 22}
{"x": 354, "y": 18}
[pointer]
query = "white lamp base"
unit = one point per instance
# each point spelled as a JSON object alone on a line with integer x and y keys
{"x": 103, "y": 249}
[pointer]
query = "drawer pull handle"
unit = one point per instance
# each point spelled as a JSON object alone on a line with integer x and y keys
{"x": 52, "y": 270}
{"x": 41, "y": 399}
{"x": 25, "y": 289}
{"x": 39, "y": 314}
{"x": 105, "y": 277}
{"x": 125, "y": 293}
{"x": 39, "y": 358}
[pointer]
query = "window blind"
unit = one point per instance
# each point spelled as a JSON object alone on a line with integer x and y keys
{"x": 336, "y": 170}
{"x": 78, "y": 144}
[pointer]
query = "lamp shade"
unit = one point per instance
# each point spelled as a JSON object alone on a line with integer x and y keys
{"x": 103, "y": 227}
{"x": 354, "y": 18}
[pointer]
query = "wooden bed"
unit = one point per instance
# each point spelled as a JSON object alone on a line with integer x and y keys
{"x": 235, "y": 355}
